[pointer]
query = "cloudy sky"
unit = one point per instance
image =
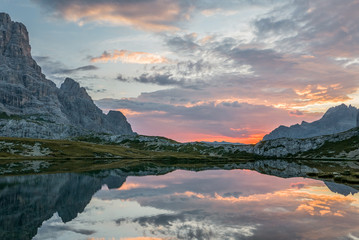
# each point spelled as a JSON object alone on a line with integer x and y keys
{"x": 199, "y": 69}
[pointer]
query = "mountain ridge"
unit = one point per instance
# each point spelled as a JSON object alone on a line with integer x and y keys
{"x": 335, "y": 120}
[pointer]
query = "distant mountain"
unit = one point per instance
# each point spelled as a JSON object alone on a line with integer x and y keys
{"x": 32, "y": 106}
{"x": 337, "y": 119}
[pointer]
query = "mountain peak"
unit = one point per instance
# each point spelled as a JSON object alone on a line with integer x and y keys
{"x": 335, "y": 120}
{"x": 340, "y": 109}
{"x": 4, "y": 18}
{"x": 14, "y": 41}
{"x": 72, "y": 88}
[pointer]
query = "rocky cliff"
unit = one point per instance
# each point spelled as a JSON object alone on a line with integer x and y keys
{"x": 32, "y": 106}
{"x": 337, "y": 119}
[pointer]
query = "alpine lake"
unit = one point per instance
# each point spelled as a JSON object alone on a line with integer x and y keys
{"x": 252, "y": 199}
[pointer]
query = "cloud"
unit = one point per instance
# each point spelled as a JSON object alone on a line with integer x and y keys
{"x": 126, "y": 56}
{"x": 79, "y": 69}
{"x": 149, "y": 15}
{"x": 57, "y": 71}
{"x": 296, "y": 113}
{"x": 207, "y": 121}
{"x": 265, "y": 71}
{"x": 185, "y": 43}
{"x": 314, "y": 26}
{"x": 163, "y": 80}
{"x": 159, "y": 79}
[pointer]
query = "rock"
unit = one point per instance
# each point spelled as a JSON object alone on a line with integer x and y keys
{"x": 81, "y": 111}
{"x": 117, "y": 119}
{"x": 32, "y": 106}
{"x": 337, "y": 119}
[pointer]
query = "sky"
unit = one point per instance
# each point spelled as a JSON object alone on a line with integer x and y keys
{"x": 200, "y": 70}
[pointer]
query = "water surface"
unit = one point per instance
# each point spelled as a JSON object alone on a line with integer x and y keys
{"x": 211, "y": 204}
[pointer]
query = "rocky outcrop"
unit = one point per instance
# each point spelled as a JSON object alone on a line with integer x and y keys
{"x": 337, "y": 119}
{"x": 32, "y": 106}
{"x": 81, "y": 111}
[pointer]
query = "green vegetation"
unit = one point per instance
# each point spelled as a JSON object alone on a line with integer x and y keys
{"x": 17, "y": 154}
{"x": 92, "y": 153}
{"x": 3, "y": 115}
{"x": 330, "y": 149}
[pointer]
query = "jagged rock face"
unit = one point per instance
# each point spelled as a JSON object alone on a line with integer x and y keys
{"x": 118, "y": 120}
{"x": 41, "y": 109}
{"x": 81, "y": 111}
{"x": 23, "y": 88}
{"x": 14, "y": 39}
{"x": 337, "y": 119}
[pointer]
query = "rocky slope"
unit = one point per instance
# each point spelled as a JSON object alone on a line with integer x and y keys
{"x": 344, "y": 145}
{"x": 32, "y": 106}
{"x": 337, "y": 119}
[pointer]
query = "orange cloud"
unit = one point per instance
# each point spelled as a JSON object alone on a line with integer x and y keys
{"x": 155, "y": 16}
{"x": 321, "y": 205}
{"x": 128, "y": 112}
{"x": 126, "y": 56}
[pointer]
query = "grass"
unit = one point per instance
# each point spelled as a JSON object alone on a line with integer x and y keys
{"x": 77, "y": 149}
{"x": 79, "y": 156}
{"x": 68, "y": 156}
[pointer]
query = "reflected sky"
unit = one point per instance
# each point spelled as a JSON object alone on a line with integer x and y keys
{"x": 215, "y": 204}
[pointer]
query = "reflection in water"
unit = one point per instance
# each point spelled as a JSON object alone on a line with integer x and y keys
{"x": 212, "y": 204}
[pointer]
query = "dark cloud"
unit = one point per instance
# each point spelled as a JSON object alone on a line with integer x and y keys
{"x": 184, "y": 44}
{"x": 296, "y": 113}
{"x": 121, "y": 78}
{"x": 325, "y": 27}
{"x": 178, "y": 75}
{"x": 269, "y": 25}
{"x": 229, "y": 119}
{"x": 163, "y": 80}
{"x": 51, "y": 66}
{"x": 161, "y": 219}
{"x": 74, "y": 70}
{"x": 41, "y": 58}
{"x": 47, "y": 230}
{"x": 91, "y": 89}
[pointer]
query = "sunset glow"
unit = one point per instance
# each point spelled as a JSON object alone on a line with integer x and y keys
{"x": 200, "y": 70}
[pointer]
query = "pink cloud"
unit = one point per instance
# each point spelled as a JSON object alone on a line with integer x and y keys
{"x": 126, "y": 56}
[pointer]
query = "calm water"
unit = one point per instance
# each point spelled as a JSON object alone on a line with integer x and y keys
{"x": 212, "y": 204}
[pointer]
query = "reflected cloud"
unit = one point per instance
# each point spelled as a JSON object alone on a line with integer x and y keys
{"x": 214, "y": 204}
{"x": 127, "y": 186}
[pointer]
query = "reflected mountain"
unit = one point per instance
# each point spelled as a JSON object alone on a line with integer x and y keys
{"x": 341, "y": 189}
{"x": 27, "y": 201}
